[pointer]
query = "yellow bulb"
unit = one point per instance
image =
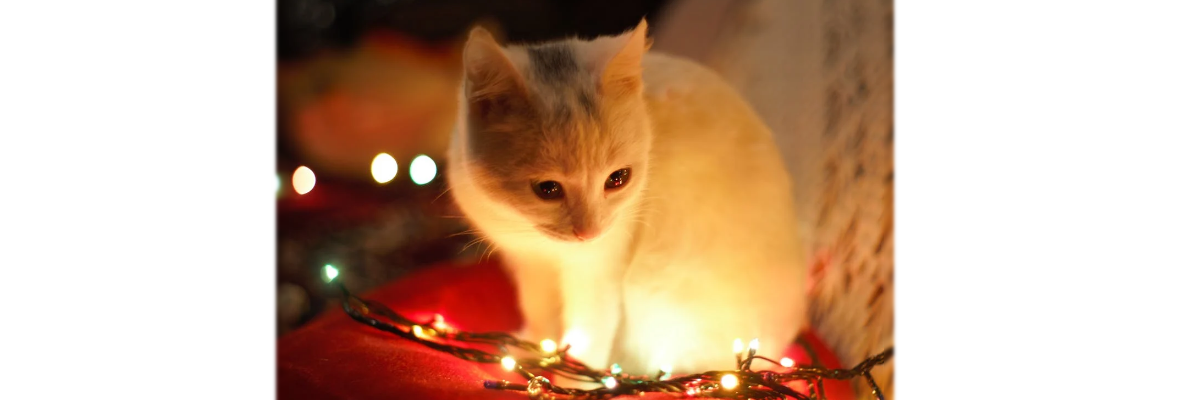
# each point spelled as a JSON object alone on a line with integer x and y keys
{"x": 754, "y": 344}
{"x": 422, "y": 169}
{"x": 577, "y": 340}
{"x": 331, "y": 272}
{"x": 416, "y": 329}
{"x": 508, "y": 362}
{"x": 729, "y": 381}
{"x": 609, "y": 382}
{"x": 549, "y": 346}
{"x": 738, "y": 346}
{"x": 439, "y": 322}
{"x": 787, "y": 362}
{"x": 304, "y": 180}
{"x": 384, "y": 168}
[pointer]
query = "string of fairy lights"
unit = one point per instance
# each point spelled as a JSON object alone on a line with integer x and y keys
{"x": 534, "y": 362}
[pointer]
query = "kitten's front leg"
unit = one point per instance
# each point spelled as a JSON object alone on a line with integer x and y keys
{"x": 591, "y": 311}
{"x": 538, "y": 294}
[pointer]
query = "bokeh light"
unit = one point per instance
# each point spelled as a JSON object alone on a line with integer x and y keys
{"x": 787, "y": 362}
{"x": 738, "y": 346}
{"x": 422, "y": 170}
{"x": 331, "y": 272}
{"x": 729, "y": 381}
{"x": 549, "y": 346}
{"x": 577, "y": 340}
{"x": 609, "y": 382}
{"x": 304, "y": 180}
{"x": 508, "y": 363}
{"x": 384, "y": 168}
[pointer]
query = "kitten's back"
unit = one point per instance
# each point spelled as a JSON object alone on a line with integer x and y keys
{"x": 720, "y": 239}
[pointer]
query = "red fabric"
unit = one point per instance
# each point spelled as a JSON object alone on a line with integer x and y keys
{"x": 335, "y": 357}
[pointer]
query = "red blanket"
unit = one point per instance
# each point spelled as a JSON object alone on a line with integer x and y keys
{"x": 335, "y": 357}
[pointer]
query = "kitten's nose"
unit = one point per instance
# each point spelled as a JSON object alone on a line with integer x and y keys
{"x": 584, "y": 234}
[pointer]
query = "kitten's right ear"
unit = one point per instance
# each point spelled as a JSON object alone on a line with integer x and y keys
{"x": 489, "y": 73}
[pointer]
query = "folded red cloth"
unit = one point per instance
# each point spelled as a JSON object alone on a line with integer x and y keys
{"x": 335, "y": 357}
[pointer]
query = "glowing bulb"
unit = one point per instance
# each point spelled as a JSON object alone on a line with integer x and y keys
{"x": 384, "y": 168}
{"x": 416, "y": 329}
{"x": 577, "y": 340}
{"x": 787, "y": 362}
{"x": 304, "y": 180}
{"x": 331, "y": 272}
{"x": 439, "y": 322}
{"x": 737, "y": 346}
{"x": 616, "y": 369}
{"x": 422, "y": 170}
{"x": 666, "y": 370}
{"x": 754, "y": 344}
{"x": 609, "y": 382}
{"x": 508, "y": 362}
{"x": 549, "y": 346}
{"x": 729, "y": 381}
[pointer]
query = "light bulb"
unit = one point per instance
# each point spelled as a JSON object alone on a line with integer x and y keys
{"x": 422, "y": 169}
{"x": 754, "y": 344}
{"x": 439, "y": 322}
{"x": 787, "y": 362}
{"x": 508, "y": 363}
{"x": 416, "y": 329}
{"x": 609, "y": 382}
{"x": 331, "y": 272}
{"x": 729, "y": 381}
{"x": 577, "y": 340}
{"x": 666, "y": 370}
{"x": 616, "y": 369}
{"x": 738, "y": 346}
{"x": 549, "y": 346}
{"x": 384, "y": 168}
{"x": 304, "y": 180}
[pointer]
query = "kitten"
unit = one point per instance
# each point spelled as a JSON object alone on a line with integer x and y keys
{"x": 640, "y": 205}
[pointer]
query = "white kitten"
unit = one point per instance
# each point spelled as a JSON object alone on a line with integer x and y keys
{"x": 640, "y": 205}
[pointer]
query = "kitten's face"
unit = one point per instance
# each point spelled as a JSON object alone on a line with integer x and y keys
{"x": 556, "y": 135}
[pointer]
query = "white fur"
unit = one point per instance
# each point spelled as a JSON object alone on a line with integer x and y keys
{"x": 707, "y": 251}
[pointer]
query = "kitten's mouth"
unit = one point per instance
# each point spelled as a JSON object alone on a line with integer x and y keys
{"x": 573, "y": 237}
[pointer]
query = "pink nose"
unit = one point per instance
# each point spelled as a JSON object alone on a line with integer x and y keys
{"x": 584, "y": 234}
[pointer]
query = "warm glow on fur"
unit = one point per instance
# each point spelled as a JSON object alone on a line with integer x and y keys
{"x": 705, "y": 217}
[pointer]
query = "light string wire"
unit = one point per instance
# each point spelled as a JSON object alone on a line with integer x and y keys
{"x": 534, "y": 362}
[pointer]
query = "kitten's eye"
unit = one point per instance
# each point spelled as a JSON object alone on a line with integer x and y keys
{"x": 617, "y": 179}
{"x": 548, "y": 190}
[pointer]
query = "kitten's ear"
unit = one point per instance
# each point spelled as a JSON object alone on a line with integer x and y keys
{"x": 623, "y": 73}
{"x": 489, "y": 73}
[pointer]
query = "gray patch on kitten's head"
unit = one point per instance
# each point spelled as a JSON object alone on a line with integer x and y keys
{"x": 551, "y": 123}
{"x": 566, "y": 88}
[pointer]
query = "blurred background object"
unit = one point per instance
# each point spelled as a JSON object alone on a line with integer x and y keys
{"x": 361, "y": 82}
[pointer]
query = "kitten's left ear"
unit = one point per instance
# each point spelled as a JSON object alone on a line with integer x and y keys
{"x": 623, "y": 73}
